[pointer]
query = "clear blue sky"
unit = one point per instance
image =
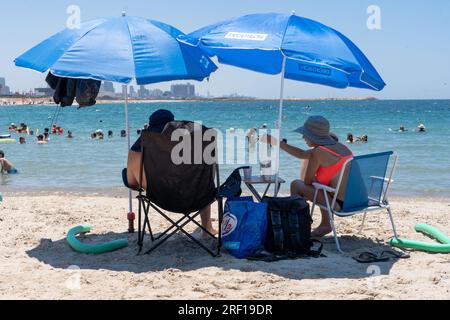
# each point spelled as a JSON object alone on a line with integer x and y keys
{"x": 411, "y": 51}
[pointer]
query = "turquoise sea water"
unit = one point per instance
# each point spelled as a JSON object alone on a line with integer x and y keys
{"x": 78, "y": 164}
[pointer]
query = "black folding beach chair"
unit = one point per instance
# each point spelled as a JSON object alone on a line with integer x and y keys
{"x": 179, "y": 180}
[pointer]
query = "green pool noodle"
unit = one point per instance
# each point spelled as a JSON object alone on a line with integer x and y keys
{"x": 80, "y": 247}
{"x": 433, "y": 233}
{"x": 442, "y": 247}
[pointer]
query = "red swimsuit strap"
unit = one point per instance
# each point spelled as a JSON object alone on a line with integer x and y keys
{"x": 335, "y": 153}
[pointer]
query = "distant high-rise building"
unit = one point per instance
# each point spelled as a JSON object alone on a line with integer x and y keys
{"x": 4, "y": 89}
{"x": 107, "y": 87}
{"x": 143, "y": 92}
{"x": 183, "y": 91}
{"x": 44, "y": 92}
{"x": 156, "y": 93}
{"x": 132, "y": 92}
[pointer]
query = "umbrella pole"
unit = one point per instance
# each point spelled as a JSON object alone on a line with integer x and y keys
{"x": 131, "y": 216}
{"x": 279, "y": 126}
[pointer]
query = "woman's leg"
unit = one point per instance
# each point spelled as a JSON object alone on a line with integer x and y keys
{"x": 298, "y": 187}
{"x": 205, "y": 214}
{"x": 134, "y": 170}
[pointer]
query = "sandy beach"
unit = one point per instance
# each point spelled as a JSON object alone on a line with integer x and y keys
{"x": 37, "y": 263}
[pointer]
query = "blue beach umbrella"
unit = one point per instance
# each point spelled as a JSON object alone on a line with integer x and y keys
{"x": 297, "y": 48}
{"x": 119, "y": 49}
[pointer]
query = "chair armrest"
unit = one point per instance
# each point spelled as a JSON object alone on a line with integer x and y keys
{"x": 324, "y": 187}
{"x": 382, "y": 179}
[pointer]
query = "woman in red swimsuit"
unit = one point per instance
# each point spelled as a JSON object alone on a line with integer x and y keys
{"x": 323, "y": 163}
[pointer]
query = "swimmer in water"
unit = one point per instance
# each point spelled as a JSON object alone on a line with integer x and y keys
{"x": 402, "y": 129}
{"x": 41, "y": 139}
{"x": 6, "y": 166}
{"x": 69, "y": 134}
{"x": 22, "y": 140}
{"x": 363, "y": 139}
{"x": 422, "y": 128}
{"x": 350, "y": 138}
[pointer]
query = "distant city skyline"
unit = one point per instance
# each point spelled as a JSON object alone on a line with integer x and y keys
{"x": 408, "y": 48}
{"x": 109, "y": 89}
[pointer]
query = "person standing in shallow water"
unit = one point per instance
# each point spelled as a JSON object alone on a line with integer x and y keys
{"x": 6, "y": 166}
{"x": 322, "y": 164}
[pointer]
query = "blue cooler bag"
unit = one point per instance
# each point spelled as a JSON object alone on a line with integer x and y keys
{"x": 244, "y": 227}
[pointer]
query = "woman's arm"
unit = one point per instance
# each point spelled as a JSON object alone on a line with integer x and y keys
{"x": 293, "y": 151}
{"x": 313, "y": 166}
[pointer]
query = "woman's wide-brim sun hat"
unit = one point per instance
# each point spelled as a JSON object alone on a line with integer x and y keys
{"x": 317, "y": 129}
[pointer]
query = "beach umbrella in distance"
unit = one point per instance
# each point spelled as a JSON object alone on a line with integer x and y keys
{"x": 119, "y": 49}
{"x": 297, "y": 48}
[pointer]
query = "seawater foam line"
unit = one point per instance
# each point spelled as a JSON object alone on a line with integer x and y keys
{"x": 80, "y": 247}
{"x": 442, "y": 247}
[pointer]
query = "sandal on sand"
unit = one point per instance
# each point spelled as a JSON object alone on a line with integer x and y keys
{"x": 395, "y": 254}
{"x": 369, "y": 257}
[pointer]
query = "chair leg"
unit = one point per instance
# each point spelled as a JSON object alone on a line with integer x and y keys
{"x": 336, "y": 239}
{"x": 143, "y": 222}
{"x": 140, "y": 240}
{"x": 221, "y": 213}
{"x": 179, "y": 226}
{"x": 331, "y": 217}
{"x": 391, "y": 217}
{"x": 363, "y": 223}
{"x": 156, "y": 246}
{"x": 166, "y": 235}
{"x": 147, "y": 222}
{"x": 314, "y": 202}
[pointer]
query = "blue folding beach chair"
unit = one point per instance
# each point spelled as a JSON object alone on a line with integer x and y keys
{"x": 365, "y": 181}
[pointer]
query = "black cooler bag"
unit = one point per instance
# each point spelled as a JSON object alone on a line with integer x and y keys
{"x": 289, "y": 227}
